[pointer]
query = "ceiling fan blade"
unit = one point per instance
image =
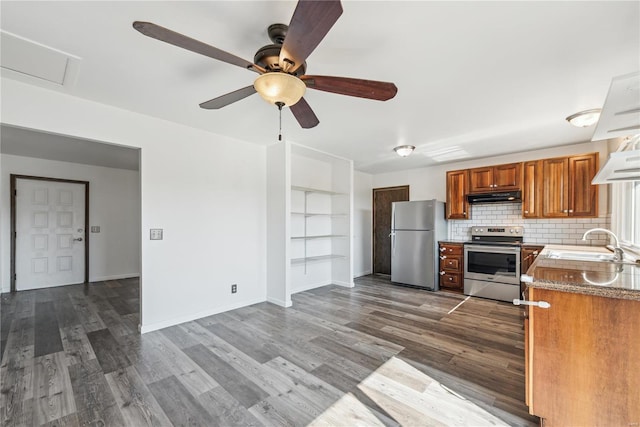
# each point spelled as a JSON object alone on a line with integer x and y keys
{"x": 304, "y": 114}
{"x": 163, "y": 34}
{"x": 311, "y": 21}
{"x": 229, "y": 98}
{"x": 370, "y": 89}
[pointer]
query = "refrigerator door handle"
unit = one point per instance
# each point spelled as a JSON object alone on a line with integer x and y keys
{"x": 393, "y": 241}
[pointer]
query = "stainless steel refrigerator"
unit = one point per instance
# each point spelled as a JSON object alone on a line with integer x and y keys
{"x": 416, "y": 228}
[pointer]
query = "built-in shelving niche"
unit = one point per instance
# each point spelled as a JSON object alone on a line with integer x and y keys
{"x": 317, "y": 229}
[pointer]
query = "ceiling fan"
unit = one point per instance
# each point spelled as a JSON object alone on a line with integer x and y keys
{"x": 282, "y": 65}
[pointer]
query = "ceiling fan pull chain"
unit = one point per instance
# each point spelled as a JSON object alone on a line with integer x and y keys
{"x": 280, "y": 105}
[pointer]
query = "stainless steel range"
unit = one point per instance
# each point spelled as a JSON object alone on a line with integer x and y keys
{"x": 492, "y": 262}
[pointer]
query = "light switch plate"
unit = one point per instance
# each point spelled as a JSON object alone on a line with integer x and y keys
{"x": 155, "y": 234}
{"x": 95, "y": 228}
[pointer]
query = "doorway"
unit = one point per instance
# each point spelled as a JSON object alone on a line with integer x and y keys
{"x": 49, "y": 218}
{"x": 382, "y": 200}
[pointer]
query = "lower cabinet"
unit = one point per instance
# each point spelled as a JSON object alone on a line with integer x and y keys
{"x": 451, "y": 266}
{"x": 582, "y": 359}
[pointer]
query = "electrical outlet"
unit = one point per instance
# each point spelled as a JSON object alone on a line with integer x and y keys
{"x": 95, "y": 228}
{"x": 234, "y": 288}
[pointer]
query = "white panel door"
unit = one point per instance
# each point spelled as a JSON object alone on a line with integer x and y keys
{"x": 50, "y": 235}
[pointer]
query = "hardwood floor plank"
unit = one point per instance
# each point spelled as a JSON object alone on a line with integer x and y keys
{"x": 240, "y": 387}
{"x": 65, "y": 313}
{"x": 136, "y": 403}
{"x": 47, "y": 332}
{"x": 244, "y": 342}
{"x": 180, "y": 406}
{"x": 93, "y": 398}
{"x": 76, "y": 344}
{"x": 225, "y": 410}
{"x": 53, "y": 397}
{"x": 177, "y": 363}
{"x": 107, "y": 351}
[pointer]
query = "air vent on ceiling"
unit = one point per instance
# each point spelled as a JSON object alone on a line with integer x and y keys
{"x": 33, "y": 62}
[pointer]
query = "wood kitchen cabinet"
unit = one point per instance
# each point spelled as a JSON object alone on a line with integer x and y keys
{"x": 501, "y": 178}
{"x": 532, "y": 189}
{"x": 451, "y": 267}
{"x": 566, "y": 186}
{"x": 528, "y": 254}
{"x": 457, "y": 190}
{"x": 581, "y": 357}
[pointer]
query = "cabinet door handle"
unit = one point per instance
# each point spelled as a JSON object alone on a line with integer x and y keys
{"x": 443, "y": 249}
{"x": 570, "y": 210}
{"x": 443, "y": 257}
{"x": 565, "y": 211}
{"x": 526, "y": 211}
{"x": 541, "y": 304}
{"x": 442, "y": 273}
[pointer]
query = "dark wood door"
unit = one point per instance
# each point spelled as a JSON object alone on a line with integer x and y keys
{"x": 382, "y": 199}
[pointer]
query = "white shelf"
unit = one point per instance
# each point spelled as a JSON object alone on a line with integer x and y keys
{"x": 310, "y": 214}
{"x": 316, "y": 190}
{"x": 305, "y": 260}
{"x": 325, "y": 236}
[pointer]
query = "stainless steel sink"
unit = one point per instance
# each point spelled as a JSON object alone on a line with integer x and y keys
{"x": 580, "y": 256}
{"x": 576, "y": 255}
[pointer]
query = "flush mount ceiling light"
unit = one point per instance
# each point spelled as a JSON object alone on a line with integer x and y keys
{"x": 404, "y": 150}
{"x": 279, "y": 87}
{"x": 585, "y": 118}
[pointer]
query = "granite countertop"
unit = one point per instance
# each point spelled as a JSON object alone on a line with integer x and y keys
{"x": 605, "y": 279}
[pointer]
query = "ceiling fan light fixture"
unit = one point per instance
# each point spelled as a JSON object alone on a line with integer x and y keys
{"x": 404, "y": 150}
{"x": 585, "y": 118}
{"x": 280, "y": 87}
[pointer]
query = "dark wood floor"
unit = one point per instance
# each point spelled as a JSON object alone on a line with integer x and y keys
{"x": 72, "y": 356}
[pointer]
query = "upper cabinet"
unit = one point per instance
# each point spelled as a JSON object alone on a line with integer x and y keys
{"x": 532, "y": 189}
{"x": 492, "y": 178}
{"x": 566, "y": 186}
{"x": 457, "y": 190}
{"x": 551, "y": 188}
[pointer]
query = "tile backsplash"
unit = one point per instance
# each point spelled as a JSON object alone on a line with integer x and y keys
{"x": 536, "y": 231}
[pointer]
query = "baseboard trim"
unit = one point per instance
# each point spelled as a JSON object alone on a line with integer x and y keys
{"x": 311, "y": 286}
{"x": 188, "y": 318}
{"x": 345, "y": 284}
{"x": 114, "y": 277}
{"x": 280, "y": 302}
{"x": 363, "y": 273}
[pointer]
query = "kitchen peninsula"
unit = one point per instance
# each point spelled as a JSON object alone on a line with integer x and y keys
{"x": 581, "y": 352}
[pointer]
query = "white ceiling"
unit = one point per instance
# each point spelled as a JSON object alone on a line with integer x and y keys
{"x": 474, "y": 79}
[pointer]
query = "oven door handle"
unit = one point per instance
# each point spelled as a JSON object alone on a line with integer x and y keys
{"x": 493, "y": 249}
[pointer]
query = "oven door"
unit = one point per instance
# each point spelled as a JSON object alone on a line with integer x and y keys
{"x": 492, "y": 263}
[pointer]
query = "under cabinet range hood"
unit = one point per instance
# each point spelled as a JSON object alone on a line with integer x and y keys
{"x": 497, "y": 197}
{"x": 620, "y": 117}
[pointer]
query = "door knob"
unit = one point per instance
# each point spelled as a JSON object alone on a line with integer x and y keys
{"x": 79, "y": 239}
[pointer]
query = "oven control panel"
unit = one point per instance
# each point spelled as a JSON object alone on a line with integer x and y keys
{"x": 502, "y": 230}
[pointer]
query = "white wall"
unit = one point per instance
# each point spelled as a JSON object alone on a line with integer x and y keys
{"x": 362, "y": 223}
{"x": 114, "y": 205}
{"x": 206, "y": 191}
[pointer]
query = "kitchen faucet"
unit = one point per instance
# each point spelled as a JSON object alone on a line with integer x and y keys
{"x": 618, "y": 254}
